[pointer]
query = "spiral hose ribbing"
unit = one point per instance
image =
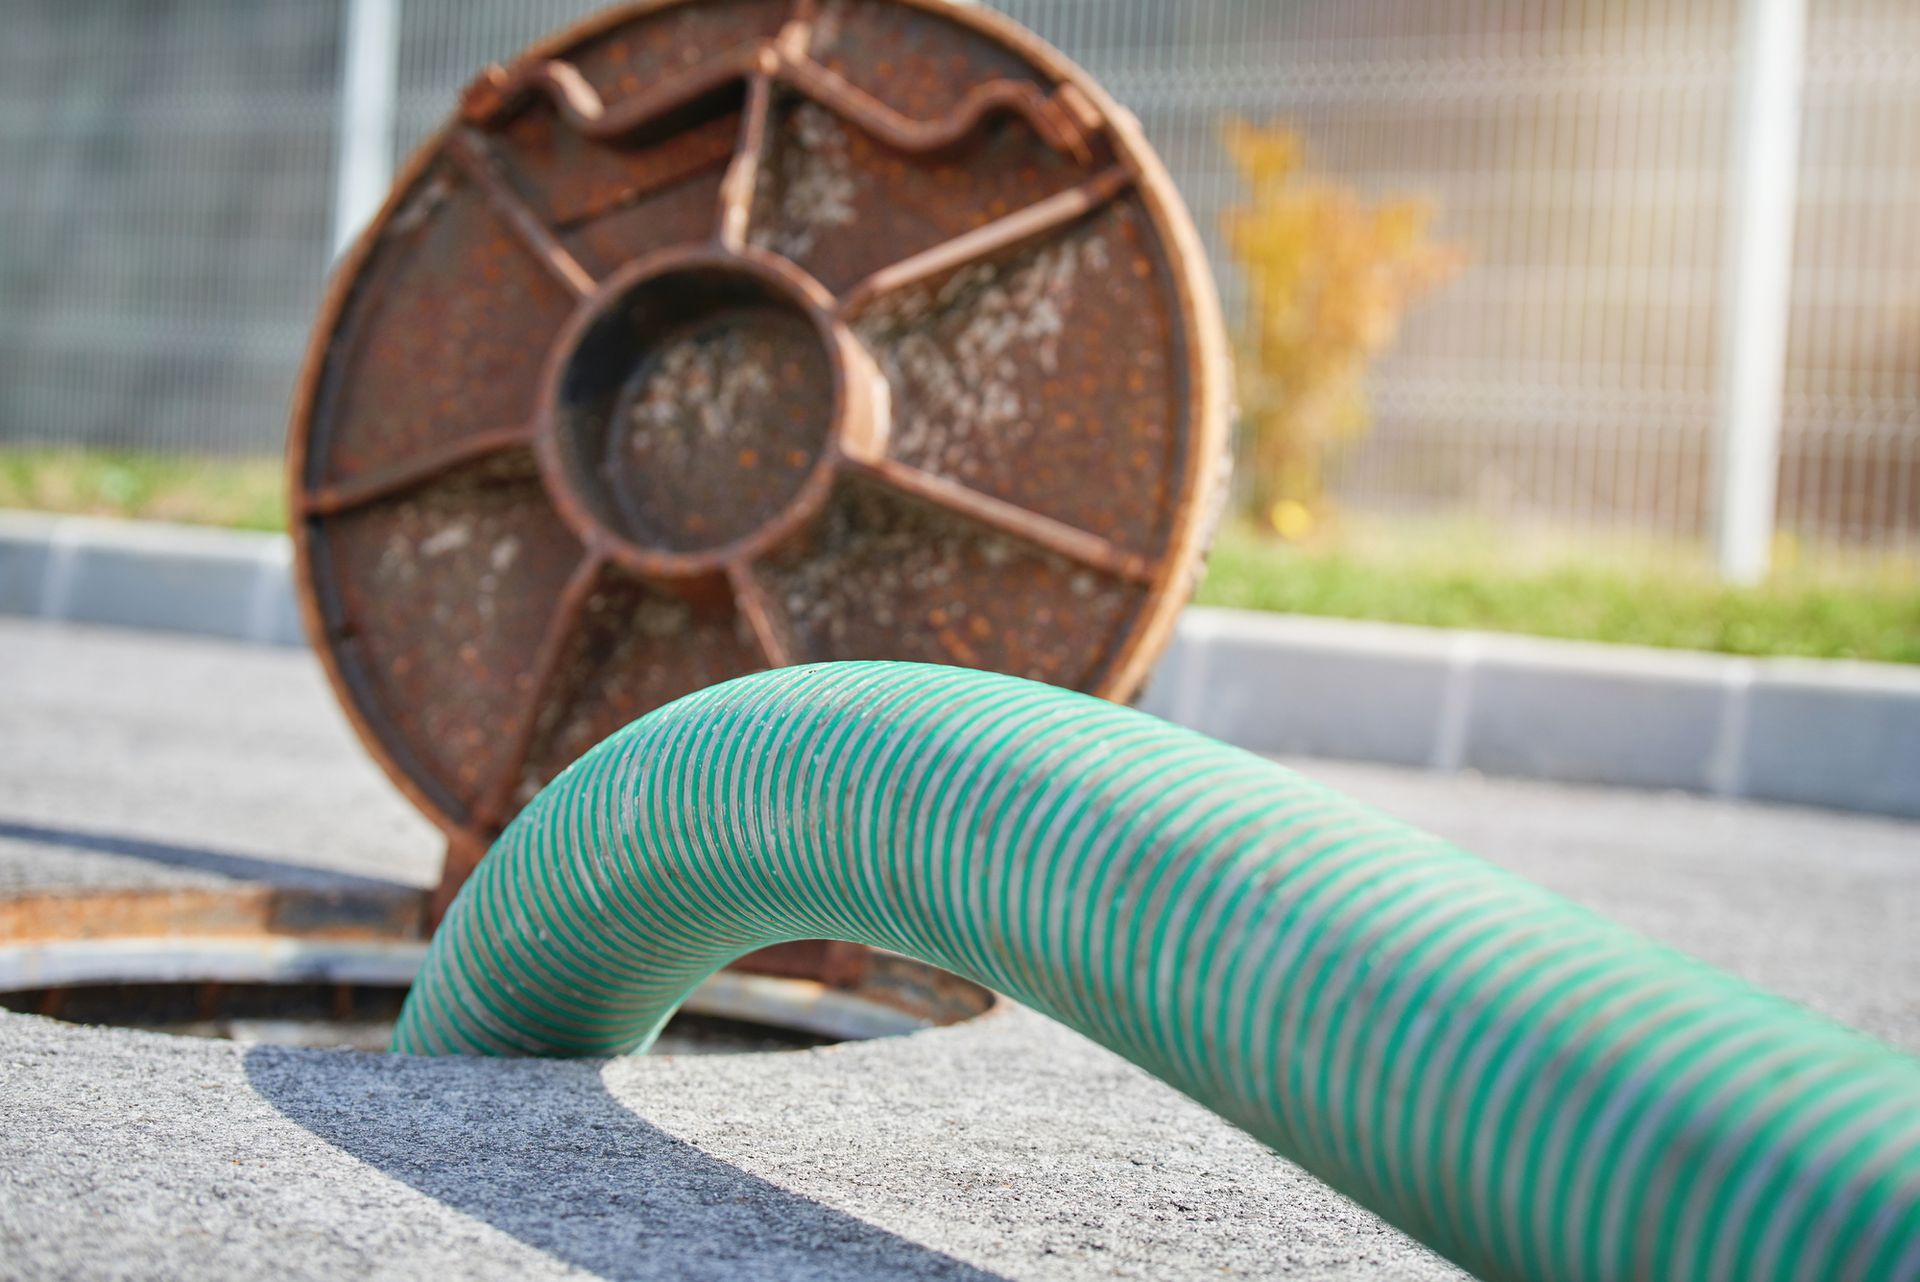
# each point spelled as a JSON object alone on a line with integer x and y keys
{"x": 1528, "y": 1088}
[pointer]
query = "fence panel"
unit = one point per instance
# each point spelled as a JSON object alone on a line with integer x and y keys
{"x": 164, "y": 193}
{"x": 164, "y": 173}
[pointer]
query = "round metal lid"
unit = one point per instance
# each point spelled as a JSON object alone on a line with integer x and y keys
{"x": 716, "y": 335}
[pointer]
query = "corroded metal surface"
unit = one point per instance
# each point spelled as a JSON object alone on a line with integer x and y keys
{"x": 725, "y": 334}
{"x": 253, "y": 910}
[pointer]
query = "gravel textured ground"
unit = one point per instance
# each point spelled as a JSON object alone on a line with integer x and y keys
{"x": 1003, "y": 1148}
{"x": 198, "y": 748}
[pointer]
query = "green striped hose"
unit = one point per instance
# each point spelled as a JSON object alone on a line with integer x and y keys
{"x": 1526, "y": 1087}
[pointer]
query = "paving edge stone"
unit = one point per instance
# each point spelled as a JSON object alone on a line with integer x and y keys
{"x": 140, "y": 574}
{"x": 1827, "y": 733}
{"x": 1839, "y": 734}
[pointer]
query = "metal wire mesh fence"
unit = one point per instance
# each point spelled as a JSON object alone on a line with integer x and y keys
{"x": 165, "y": 174}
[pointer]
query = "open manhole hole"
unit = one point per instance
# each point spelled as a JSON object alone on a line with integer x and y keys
{"x": 253, "y": 950}
{"x": 731, "y": 1013}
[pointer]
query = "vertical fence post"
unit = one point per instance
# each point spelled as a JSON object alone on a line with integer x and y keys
{"x": 1757, "y": 272}
{"x": 369, "y": 72}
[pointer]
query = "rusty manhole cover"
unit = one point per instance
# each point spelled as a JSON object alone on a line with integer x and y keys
{"x": 714, "y": 336}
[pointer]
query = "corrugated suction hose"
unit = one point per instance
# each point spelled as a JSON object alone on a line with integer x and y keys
{"x": 1528, "y": 1088}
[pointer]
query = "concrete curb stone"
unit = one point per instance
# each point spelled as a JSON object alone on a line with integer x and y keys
{"x": 1808, "y": 732}
{"x": 1596, "y": 714}
{"x": 167, "y": 578}
{"x": 1362, "y": 691}
{"x": 1836, "y": 734}
{"x": 1833, "y": 734}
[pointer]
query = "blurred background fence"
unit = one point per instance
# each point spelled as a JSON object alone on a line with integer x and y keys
{"x": 167, "y": 175}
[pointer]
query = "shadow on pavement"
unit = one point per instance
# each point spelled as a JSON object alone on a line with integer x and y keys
{"x": 542, "y": 1151}
{"x": 198, "y": 859}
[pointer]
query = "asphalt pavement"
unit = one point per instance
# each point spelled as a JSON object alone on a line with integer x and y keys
{"x": 1005, "y": 1147}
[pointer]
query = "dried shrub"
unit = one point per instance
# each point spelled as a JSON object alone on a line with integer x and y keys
{"x": 1328, "y": 279}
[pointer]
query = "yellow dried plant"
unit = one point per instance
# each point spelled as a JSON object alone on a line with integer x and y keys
{"x": 1328, "y": 278}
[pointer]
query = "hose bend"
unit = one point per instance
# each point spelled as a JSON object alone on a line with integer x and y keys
{"x": 1524, "y": 1086}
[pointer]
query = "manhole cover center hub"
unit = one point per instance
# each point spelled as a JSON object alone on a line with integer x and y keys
{"x": 694, "y": 400}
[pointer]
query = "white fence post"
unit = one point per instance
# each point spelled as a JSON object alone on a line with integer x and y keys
{"x": 369, "y": 73}
{"x": 1757, "y": 271}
